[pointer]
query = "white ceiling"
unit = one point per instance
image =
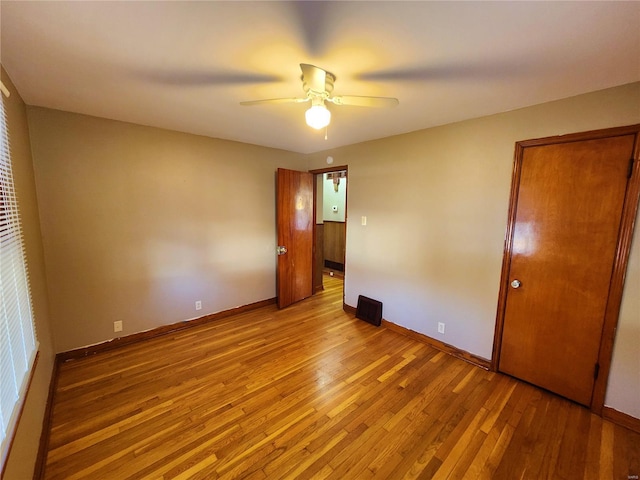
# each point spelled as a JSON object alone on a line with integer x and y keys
{"x": 186, "y": 65}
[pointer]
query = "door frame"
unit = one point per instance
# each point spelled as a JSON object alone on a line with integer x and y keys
{"x": 623, "y": 248}
{"x": 322, "y": 171}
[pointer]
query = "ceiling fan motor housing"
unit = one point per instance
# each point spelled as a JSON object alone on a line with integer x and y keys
{"x": 330, "y": 78}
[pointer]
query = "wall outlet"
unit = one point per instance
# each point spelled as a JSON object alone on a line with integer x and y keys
{"x": 199, "y": 305}
{"x": 441, "y": 328}
{"x": 117, "y": 326}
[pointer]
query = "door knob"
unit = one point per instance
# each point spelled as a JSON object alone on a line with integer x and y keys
{"x": 281, "y": 250}
{"x": 516, "y": 283}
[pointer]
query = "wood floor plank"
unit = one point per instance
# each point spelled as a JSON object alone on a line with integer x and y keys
{"x": 310, "y": 392}
{"x": 606, "y": 451}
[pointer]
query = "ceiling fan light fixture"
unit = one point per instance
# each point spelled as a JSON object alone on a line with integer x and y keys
{"x": 318, "y": 116}
{"x": 317, "y": 84}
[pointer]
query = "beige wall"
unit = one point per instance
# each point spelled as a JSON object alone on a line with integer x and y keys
{"x": 25, "y": 447}
{"x": 139, "y": 223}
{"x": 436, "y": 203}
{"x": 623, "y": 392}
{"x": 331, "y": 198}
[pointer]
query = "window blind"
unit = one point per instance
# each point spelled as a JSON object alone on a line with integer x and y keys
{"x": 18, "y": 345}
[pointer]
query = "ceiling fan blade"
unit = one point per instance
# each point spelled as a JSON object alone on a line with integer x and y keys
{"x": 313, "y": 77}
{"x": 359, "y": 101}
{"x": 274, "y": 101}
{"x": 201, "y": 77}
{"x": 469, "y": 71}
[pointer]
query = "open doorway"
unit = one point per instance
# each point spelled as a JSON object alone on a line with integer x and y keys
{"x": 330, "y": 188}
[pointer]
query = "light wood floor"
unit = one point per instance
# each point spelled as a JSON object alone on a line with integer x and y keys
{"x": 310, "y": 392}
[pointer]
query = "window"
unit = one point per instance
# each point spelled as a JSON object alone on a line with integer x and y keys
{"x": 18, "y": 345}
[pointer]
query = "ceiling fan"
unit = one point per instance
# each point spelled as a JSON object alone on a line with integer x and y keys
{"x": 318, "y": 87}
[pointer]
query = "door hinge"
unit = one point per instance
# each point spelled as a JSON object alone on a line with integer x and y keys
{"x": 630, "y": 172}
{"x": 596, "y": 371}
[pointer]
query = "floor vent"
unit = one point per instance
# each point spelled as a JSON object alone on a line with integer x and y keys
{"x": 369, "y": 310}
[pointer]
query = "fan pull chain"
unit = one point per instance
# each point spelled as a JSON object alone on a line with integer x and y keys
{"x": 326, "y": 132}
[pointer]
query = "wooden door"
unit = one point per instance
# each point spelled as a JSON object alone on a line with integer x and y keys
{"x": 294, "y": 219}
{"x": 567, "y": 206}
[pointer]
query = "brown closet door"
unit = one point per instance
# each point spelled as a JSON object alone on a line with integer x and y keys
{"x": 568, "y": 214}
